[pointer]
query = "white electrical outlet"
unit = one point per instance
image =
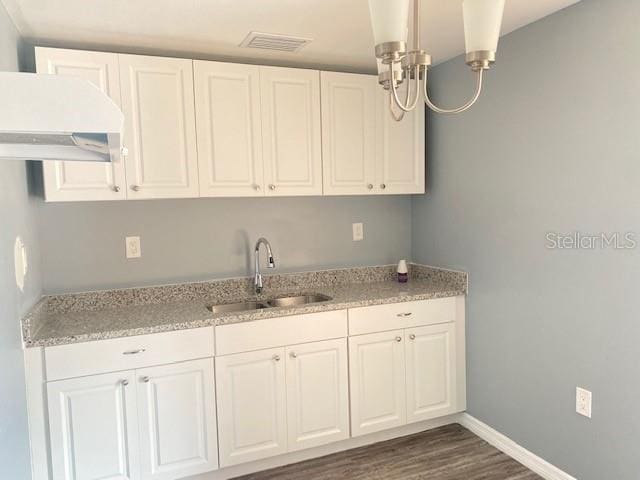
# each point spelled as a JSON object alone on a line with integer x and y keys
{"x": 583, "y": 402}
{"x": 133, "y": 247}
{"x": 358, "y": 232}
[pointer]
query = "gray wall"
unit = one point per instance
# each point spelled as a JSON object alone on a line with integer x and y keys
{"x": 17, "y": 217}
{"x": 553, "y": 145}
{"x": 83, "y": 243}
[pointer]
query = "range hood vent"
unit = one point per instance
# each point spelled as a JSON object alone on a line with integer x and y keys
{"x": 272, "y": 41}
{"x": 49, "y": 117}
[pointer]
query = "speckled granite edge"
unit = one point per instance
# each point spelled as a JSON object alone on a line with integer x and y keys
{"x": 177, "y": 307}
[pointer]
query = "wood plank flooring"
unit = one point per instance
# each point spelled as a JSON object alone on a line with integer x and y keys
{"x": 447, "y": 453}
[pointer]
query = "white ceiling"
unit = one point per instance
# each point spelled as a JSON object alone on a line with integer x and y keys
{"x": 340, "y": 29}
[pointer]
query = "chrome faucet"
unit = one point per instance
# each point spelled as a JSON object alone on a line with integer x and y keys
{"x": 270, "y": 262}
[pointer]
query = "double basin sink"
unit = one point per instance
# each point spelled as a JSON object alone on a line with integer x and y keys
{"x": 294, "y": 301}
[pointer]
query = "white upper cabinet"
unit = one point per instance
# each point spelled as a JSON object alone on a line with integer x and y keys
{"x": 228, "y": 123}
{"x": 251, "y": 406}
{"x": 431, "y": 372}
{"x": 78, "y": 181}
{"x": 177, "y": 417}
{"x": 290, "y": 100}
{"x": 93, "y": 428}
{"x": 348, "y": 133}
{"x": 401, "y": 148}
{"x": 160, "y": 132}
{"x": 317, "y": 393}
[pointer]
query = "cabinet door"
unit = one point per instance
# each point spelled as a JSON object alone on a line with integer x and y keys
{"x": 78, "y": 181}
{"x": 290, "y": 101}
{"x": 251, "y": 406}
{"x": 401, "y": 148}
{"x": 431, "y": 370}
{"x": 348, "y": 133}
{"x": 229, "y": 131}
{"x": 160, "y": 131}
{"x": 93, "y": 427}
{"x": 177, "y": 417}
{"x": 317, "y": 394}
{"x": 377, "y": 378}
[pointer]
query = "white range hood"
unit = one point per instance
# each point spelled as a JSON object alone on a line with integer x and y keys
{"x": 50, "y": 117}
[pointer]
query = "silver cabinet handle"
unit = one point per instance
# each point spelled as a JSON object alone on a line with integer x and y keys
{"x": 412, "y": 336}
{"x": 370, "y": 186}
{"x": 145, "y": 379}
{"x": 124, "y": 151}
{"x": 405, "y": 314}
{"x": 293, "y": 355}
{"x": 383, "y": 186}
{"x": 256, "y": 187}
{"x": 276, "y": 358}
{"x": 135, "y": 188}
{"x": 124, "y": 382}
{"x": 115, "y": 188}
{"x": 134, "y": 352}
{"x": 398, "y": 339}
{"x": 272, "y": 186}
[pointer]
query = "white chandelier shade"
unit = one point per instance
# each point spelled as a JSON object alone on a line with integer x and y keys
{"x": 482, "y": 23}
{"x": 389, "y": 19}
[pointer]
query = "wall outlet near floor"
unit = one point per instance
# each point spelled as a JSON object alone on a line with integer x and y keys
{"x": 358, "y": 232}
{"x": 133, "y": 247}
{"x": 583, "y": 402}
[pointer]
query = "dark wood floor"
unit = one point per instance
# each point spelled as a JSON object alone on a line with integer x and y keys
{"x": 446, "y": 453}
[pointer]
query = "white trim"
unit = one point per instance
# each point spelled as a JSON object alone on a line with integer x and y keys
{"x": 515, "y": 451}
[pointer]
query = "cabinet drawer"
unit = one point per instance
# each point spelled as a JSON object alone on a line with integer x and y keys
{"x": 281, "y": 331}
{"x": 90, "y": 358}
{"x": 379, "y": 318}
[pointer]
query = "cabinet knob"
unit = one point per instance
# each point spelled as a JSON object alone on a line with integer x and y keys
{"x": 412, "y": 336}
{"x": 398, "y": 339}
{"x": 124, "y": 382}
{"x": 272, "y": 187}
{"x": 256, "y": 187}
{"x": 145, "y": 379}
{"x": 293, "y": 355}
{"x": 135, "y": 188}
{"x": 383, "y": 186}
{"x": 370, "y": 186}
{"x": 276, "y": 358}
{"x": 115, "y": 188}
{"x": 124, "y": 151}
{"x": 405, "y": 314}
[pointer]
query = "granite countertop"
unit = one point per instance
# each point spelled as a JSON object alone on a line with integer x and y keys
{"x": 64, "y": 319}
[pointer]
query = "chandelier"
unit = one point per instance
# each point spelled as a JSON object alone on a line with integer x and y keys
{"x": 390, "y": 18}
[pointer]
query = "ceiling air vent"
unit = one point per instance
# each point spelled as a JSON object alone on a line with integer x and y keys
{"x": 272, "y": 41}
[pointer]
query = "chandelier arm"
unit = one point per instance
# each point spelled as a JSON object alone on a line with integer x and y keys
{"x": 398, "y": 117}
{"x": 394, "y": 91}
{"x": 466, "y": 106}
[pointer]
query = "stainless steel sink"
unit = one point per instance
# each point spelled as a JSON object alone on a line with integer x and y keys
{"x": 236, "y": 307}
{"x": 298, "y": 300}
{"x": 274, "y": 302}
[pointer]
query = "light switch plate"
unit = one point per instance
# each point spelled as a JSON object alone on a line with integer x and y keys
{"x": 358, "y": 232}
{"x": 133, "y": 247}
{"x": 583, "y": 402}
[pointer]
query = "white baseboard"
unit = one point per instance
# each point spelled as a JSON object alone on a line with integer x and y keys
{"x": 511, "y": 448}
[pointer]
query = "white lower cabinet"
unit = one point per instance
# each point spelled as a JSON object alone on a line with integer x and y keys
{"x": 317, "y": 394}
{"x": 153, "y": 423}
{"x": 377, "y": 368}
{"x": 431, "y": 372}
{"x": 251, "y": 405}
{"x": 177, "y": 419}
{"x": 93, "y": 427}
{"x": 402, "y": 376}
